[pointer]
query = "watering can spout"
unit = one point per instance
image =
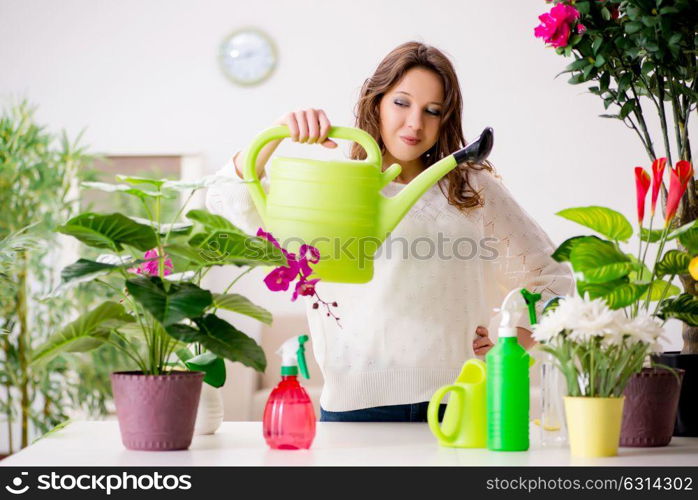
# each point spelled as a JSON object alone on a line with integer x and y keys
{"x": 393, "y": 209}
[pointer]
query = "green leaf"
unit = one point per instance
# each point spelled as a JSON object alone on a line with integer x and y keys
{"x": 194, "y": 255}
{"x": 109, "y": 231}
{"x": 596, "y": 44}
{"x": 640, "y": 272}
{"x": 651, "y": 236}
{"x": 673, "y": 262}
{"x": 605, "y": 81}
{"x": 603, "y": 220}
{"x": 627, "y": 108}
{"x": 577, "y": 65}
{"x": 562, "y": 253}
{"x": 600, "y": 61}
{"x": 242, "y": 305}
{"x": 213, "y": 222}
{"x": 657, "y": 290}
{"x": 212, "y": 365}
{"x": 223, "y": 339}
{"x": 689, "y": 239}
{"x": 172, "y": 303}
{"x": 633, "y": 27}
{"x": 605, "y": 14}
{"x": 86, "y": 270}
{"x": 625, "y": 294}
{"x": 85, "y": 333}
{"x": 132, "y": 179}
{"x": 596, "y": 290}
{"x": 230, "y": 247}
{"x": 684, "y": 308}
{"x": 124, "y": 188}
{"x": 183, "y": 333}
{"x": 164, "y": 229}
{"x": 600, "y": 261}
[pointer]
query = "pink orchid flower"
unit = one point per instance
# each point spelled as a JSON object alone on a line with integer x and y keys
{"x": 642, "y": 185}
{"x": 555, "y": 25}
{"x": 151, "y": 267}
{"x": 298, "y": 267}
{"x": 678, "y": 181}
{"x": 658, "y": 166}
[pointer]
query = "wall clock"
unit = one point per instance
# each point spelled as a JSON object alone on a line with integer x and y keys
{"x": 247, "y": 56}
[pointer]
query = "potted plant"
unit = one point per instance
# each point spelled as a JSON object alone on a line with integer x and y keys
{"x": 163, "y": 312}
{"x": 597, "y": 350}
{"x": 625, "y": 282}
{"x": 639, "y": 57}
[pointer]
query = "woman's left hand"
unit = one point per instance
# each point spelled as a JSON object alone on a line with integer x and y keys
{"x": 482, "y": 342}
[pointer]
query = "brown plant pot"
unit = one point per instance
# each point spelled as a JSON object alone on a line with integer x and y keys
{"x": 651, "y": 399}
{"x": 156, "y": 412}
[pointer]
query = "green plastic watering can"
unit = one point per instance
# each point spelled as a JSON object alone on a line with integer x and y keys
{"x": 465, "y": 421}
{"x": 337, "y": 206}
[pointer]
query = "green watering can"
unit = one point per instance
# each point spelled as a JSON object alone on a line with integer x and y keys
{"x": 465, "y": 420}
{"x": 337, "y": 206}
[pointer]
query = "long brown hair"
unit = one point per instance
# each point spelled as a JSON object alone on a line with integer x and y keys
{"x": 391, "y": 69}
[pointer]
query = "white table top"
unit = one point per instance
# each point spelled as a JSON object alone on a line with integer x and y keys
{"x": 336, "y": 443}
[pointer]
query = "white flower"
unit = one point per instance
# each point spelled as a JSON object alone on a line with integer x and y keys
{"x": 644, "y": 328}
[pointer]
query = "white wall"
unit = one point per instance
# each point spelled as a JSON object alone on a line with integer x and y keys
{"x": 143, "y": 77}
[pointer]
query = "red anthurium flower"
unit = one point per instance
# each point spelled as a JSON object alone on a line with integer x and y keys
{"x": 657, "y": 179}
{"x": 679, "y": 177}
{"x": 642, "y": 185}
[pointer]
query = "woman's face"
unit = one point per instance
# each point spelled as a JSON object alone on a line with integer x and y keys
{"x": 410, "y": 114}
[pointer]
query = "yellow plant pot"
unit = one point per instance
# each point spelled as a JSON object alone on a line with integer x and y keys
{"x": 594, "y": 425}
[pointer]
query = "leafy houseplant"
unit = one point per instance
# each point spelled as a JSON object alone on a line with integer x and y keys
{"x": 161, "y": 313}
{"x": 597, "y": 350}
{"x": 639, "y": 57}
{"x": 38, "y": 169}
{"x": 625, "y": 282}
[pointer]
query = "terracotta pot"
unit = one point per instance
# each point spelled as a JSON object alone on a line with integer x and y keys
{"x": 651, "y": 399}
{"x": 156, "y": 412}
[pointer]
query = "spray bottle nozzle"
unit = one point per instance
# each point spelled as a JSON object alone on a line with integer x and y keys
{"x": 293, "y": 356}
{"x": 531, "y": 299}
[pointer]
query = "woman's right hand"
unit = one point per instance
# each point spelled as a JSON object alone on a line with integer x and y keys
{"x": 308, "y": 126}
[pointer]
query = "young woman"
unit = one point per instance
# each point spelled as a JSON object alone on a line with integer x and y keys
{"x": 427, "y": 310}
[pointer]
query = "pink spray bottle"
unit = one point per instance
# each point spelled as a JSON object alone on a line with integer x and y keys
{"x": 289, "y": 418}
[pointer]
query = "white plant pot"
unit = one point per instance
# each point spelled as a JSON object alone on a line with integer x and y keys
{"x": 210, "y": 413}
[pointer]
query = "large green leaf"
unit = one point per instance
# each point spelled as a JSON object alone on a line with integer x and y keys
{"x": 673, "y": 262}
{"x": 617, "y": 293}
{"x": 684, "y": 308}
{"x": 184, "y": 251}
{"x": 212, "y": 222}
{"x": 562, "y": 253}
{"x": 651, "y": 236}
{"x": 624, "y": 295}
{"x": 85, "y": 333}
{"x": 171, "y": 302}
{"x": 603, "y": 220}
{"x": 124, "y": 188}
{"x": 84, "y": 269}
{"x": 659, "y": 290}
{"x": 641, "y": 272}
{"x": 213, "y": 366}
{"x": 177, "y": 228}
{"x": 600, "y": 261}
{"x": 109, "y": 231}
{"x": 689, "y": 239}
{"x": 226, "y": 341}
{"x": 240, "y": 304}
{"x": 133, "y": 179}
{"x": 231, "y": 247}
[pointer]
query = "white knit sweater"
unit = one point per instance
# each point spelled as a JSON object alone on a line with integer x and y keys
{"x": 409, "y": 330}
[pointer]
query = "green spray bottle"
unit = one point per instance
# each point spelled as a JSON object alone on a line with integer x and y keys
{"x": 508, "y": 384}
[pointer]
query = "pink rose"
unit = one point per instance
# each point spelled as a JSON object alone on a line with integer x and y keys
{"x": 555, "y": 25}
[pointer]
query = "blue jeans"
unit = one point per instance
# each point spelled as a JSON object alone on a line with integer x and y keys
{"x": 416, "y": 412}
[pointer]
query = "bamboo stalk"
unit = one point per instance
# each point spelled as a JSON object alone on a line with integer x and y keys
{"x": 22, "y": 346}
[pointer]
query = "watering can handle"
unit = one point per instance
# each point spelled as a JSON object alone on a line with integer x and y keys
{"x": 433, "y": 412}
{"x": 249, "y": 172}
